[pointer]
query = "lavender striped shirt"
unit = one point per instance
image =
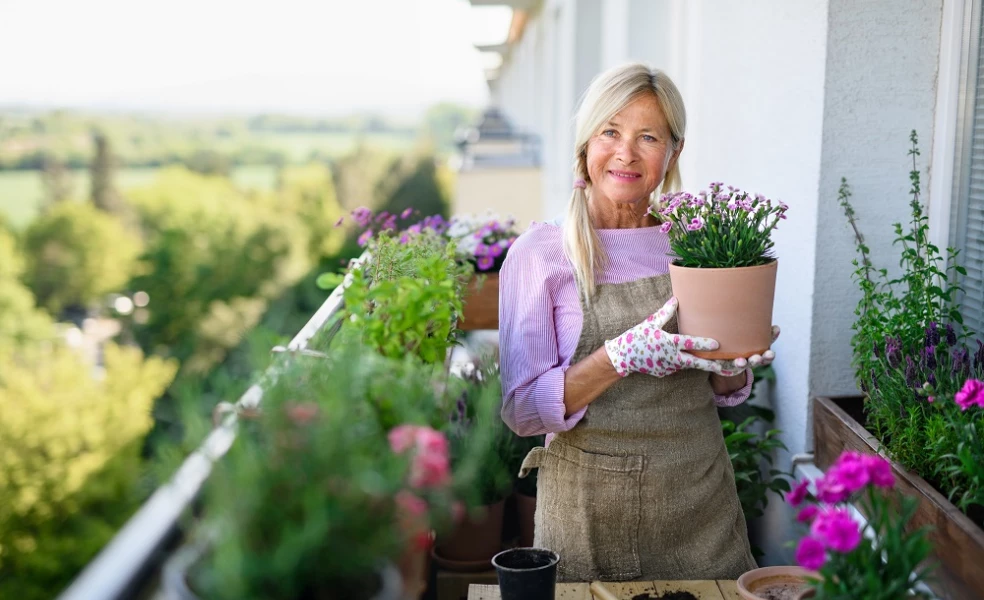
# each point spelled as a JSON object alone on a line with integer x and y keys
{"x": 540, "y": 319}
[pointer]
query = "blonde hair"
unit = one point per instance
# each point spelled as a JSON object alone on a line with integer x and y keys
{"x": 608, "y": 94}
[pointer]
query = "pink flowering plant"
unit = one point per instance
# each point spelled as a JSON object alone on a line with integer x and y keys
{"x": 720, "y": 227}
{"x": 881, "y": 560}
{"x": 481, "y": 240}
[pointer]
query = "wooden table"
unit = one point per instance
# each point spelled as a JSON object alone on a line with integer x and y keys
{"x": 703, "y": 590}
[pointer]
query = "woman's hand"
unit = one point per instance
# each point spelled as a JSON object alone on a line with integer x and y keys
{"x": 646, "y": 348}
{"x": 725, "y": 385}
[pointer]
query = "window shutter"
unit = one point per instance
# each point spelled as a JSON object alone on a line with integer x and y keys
{"x": 968, "y": 226}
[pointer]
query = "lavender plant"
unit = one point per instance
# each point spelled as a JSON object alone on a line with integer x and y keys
{"x": 723, "y": 227}
{"x": 910, "y": 353}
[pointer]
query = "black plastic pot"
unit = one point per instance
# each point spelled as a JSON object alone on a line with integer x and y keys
{"x": 526, "y": 573}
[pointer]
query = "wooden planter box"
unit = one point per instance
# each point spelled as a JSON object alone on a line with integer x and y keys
{"x": 481, "y": 310}
{"x": 958, "y": 543}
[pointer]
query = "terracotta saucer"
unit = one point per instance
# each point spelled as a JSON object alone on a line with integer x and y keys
{"x": 781, "y": 582}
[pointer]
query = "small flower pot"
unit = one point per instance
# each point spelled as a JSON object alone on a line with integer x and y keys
{"x": 775, "y": 583}
{"x": 732, "y": 306}
{"x": 526, "y": 573}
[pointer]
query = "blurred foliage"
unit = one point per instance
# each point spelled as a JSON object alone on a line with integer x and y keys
{"x": 443, "y": 120}
{"x": 71, "y": 461}
{"x": 20, "y": 321}
{"x": 76, "y": 254}
{"x": 214, "y": 258}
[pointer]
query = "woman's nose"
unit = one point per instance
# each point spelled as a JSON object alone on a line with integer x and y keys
{"x": 626, "y": 151}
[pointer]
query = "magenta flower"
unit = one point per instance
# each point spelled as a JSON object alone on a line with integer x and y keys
{"x": 362, "y": 216}
{"x": 695, "y": 224}
{"x": 879, "y": 471}
{"x": 666, "y": 227}
{"x": 430, "y": 465}
{"x": 429, "y": 469}
{"x": 971, "y": 394}
{"x": 406, "y": 213}
{"x": 836, "y": 529}
{"x": 795, "y": 496}
{"x": 851, "y": 471}
{"x": 810, "y": 553}
{"x": 485, "y": 263}
{"x": 365, "y": 237}
{"x": 831, "y": 489}
{"x": 807, "y": 514}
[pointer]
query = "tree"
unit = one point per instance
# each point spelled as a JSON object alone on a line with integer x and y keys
{"x": 56, "y": 180}
{"x": 71, "y": 468}
{"x": 76, "y": 255}
{"x": 415, "y": 182}
{"x": 20, "y": 321}
{"x": 357, "y": 175}
{"x": 102, "y": 172}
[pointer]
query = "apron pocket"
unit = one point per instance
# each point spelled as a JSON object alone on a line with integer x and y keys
{"x": 591, "y": 512}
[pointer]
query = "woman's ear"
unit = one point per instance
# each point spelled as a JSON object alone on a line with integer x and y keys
{"x": 676, "y": 153}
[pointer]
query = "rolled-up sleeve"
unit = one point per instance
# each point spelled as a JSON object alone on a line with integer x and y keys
{"x": 738, "y": 396}
{"x": 530, "y": 365}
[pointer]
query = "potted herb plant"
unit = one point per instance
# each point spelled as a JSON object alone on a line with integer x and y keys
{"x": 471, "y": 544}
{"x": 721, "y": 241}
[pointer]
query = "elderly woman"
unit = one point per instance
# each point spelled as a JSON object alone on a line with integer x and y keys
{"x": 635, "y": 480}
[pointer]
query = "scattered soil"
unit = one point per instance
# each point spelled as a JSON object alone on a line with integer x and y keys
{"x": 666, "y": 596}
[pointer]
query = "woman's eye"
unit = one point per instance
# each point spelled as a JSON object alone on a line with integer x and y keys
{"x": 648, "y": 138}
{"x": 609, "y": 132}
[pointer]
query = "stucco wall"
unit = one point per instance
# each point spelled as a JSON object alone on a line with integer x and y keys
{"x": 880, "y": 83}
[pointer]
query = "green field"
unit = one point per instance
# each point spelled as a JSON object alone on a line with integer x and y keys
{"x": 21, "y": 192}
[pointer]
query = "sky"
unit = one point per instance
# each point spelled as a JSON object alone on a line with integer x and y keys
{"x": 318, "y": 57}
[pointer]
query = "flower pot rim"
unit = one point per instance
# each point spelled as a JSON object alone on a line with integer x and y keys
{"x": 770, "y": 263}
{"x": 792, "y": 571}
{"x": 554, "y": 559}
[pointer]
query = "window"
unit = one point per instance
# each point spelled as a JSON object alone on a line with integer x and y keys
{"x": 967, "y": 214}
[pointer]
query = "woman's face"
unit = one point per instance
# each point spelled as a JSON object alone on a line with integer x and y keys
{"x": 630, "y": 154}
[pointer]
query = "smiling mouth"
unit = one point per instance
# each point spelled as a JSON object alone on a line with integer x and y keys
{"x": 625, "y": 175}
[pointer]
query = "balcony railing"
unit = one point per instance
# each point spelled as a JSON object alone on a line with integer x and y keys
{"x": 130, "y": 565}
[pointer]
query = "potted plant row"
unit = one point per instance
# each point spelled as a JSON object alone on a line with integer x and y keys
{"x": 346, "y": 471}
{"x": 919, "y": 369}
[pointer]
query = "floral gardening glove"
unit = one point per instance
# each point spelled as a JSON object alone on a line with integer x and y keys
{"x": 646, "y": 348}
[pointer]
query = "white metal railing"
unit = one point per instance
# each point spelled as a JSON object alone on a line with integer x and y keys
{"x": 133, "y": 557}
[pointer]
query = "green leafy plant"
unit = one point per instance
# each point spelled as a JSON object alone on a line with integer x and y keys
{"x": 406, "y": 297}
{"x": 719, "y": 228}
{"x": 752, "y": 453}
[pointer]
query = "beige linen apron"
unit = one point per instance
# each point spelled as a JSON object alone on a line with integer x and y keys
{"x": 642, "y": 487}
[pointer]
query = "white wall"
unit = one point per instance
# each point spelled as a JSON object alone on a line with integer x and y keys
{"x": 881, "y": 74}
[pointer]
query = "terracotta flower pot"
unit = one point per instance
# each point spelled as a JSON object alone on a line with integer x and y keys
{"x": 732, "y": 306}
{"x": 473, "y": 542}
{"x": 772, "y": 583}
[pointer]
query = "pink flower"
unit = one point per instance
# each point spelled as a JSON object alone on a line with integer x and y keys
{"x": 806, "y": 515}
{"x": 365, "y": 237}
{"x": 795, "y": 496}
{"x": 431, "y": 441}
{"x": 406, "y": 213}
{"x": 430, "y": 465}
{"x": 695, "y": 224}
{"x": 402, "y": 437}
{"x": 836, "y": 529}
{"x": 810, "y": 553}
{"x": 831, "y": 489}
{"x": 972, "y": 393}
{"x": 429, "y": 469}
{"x": 851, "y": 471}
{"x": 879, "y": 471}
{"x": 666, "y": 227}
{"x": 410, "y": 503}
{"x": 485, "y": 263}
{"x": 302, "y": 413}
{"x": 362, "y": 216}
